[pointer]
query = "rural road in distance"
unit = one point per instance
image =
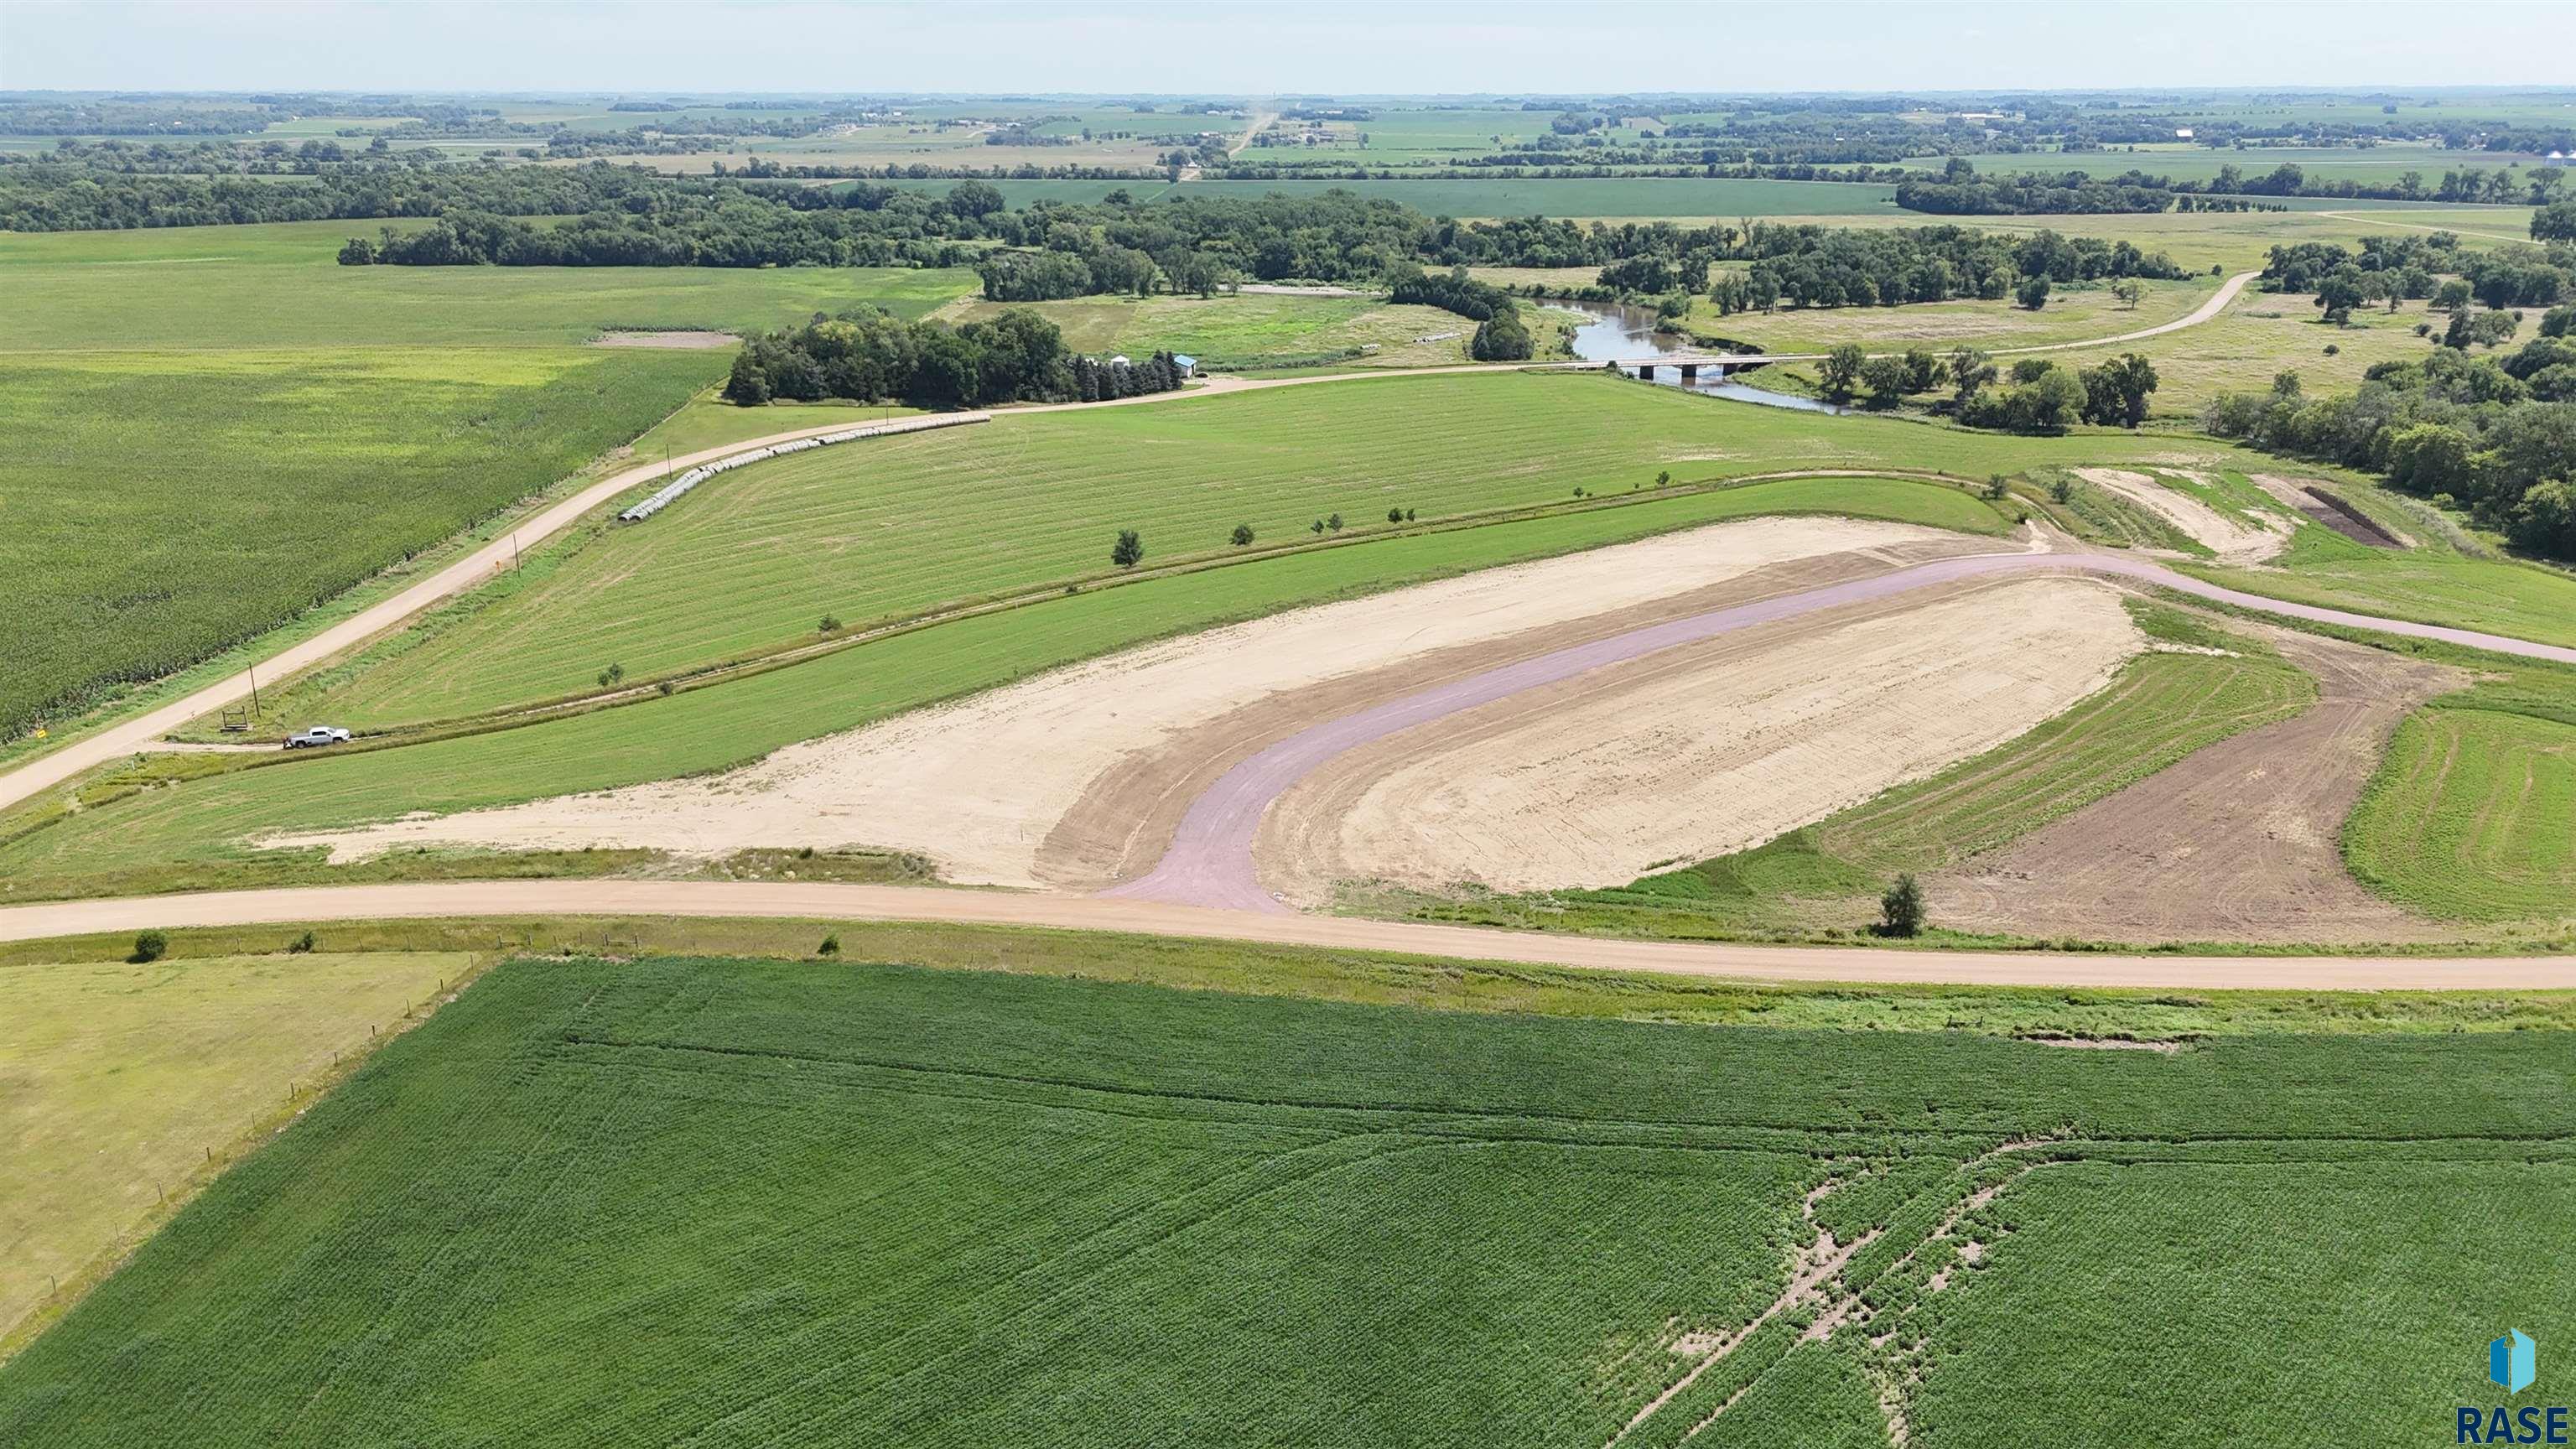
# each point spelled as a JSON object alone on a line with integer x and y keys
{"x": 816, "y": 901}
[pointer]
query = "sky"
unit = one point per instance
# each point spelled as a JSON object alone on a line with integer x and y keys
{"x": 1277, "y": 46}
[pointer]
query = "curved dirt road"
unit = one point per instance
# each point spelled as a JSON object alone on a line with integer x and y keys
{"x": 1210, "y": 860}
{"x": 777, "y": 900}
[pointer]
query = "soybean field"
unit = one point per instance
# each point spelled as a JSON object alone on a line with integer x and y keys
{"x": 793, "y": 1203}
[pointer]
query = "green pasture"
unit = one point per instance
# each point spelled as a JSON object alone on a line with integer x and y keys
{"x": 795, "y": 1203}
{"x": 2472, "y": 816}
{"x": 215, "y": 427}
{"x": 1241, "y": 331}
{"x": 890, "y": 527}
{"x": 130, "y": 839}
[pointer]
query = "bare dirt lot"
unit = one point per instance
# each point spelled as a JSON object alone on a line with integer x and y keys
{"x": 2233, "y": 540}
{"x": 1698, "y": 751}
{"x": 2237, "y": 842}
{"x": 980, "y": 787}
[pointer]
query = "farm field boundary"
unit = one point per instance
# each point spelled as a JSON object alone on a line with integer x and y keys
{"x": 803, "y": 900}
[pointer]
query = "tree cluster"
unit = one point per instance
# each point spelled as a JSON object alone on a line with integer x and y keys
{"x": 868, "y": 355}
{"x": 1812, "y": 266}
{"x": 2495, "y": 436}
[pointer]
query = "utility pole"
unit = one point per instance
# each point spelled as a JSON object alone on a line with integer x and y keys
{"x": 254, "y": 689}
{"x": 514, "y": 551}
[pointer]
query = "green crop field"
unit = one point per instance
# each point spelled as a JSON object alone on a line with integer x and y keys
{"x": 1643, "y": 196}
{"x": 1237, "y": 332}
{"x": 895, "y": 526}
{"x": 736, "y": 1202}
{"x": 2159, "y": 708}
{"x": 215, "y": 427}
{"x": 155, "y": 839}
{"x": 2470, "y": 815}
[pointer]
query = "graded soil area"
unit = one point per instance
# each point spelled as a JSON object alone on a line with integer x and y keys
{"x": 1697, "y": 751}
{"x": 979, "y": 787}
{"x": 2233, "y": 540}
{"x": 2235, "y": 842}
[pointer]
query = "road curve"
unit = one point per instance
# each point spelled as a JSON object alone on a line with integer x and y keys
{"x": 2216, "y": 304}
{"x": 1209, "y": 862}
{"x": 804, "y": 901}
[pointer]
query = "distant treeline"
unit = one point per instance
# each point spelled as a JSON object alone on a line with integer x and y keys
{"x": 2495, "y": 435}
{"x": 871, "y": 356}
{"x": 1813, "y": 266}
{"x": 1960, "y": 191}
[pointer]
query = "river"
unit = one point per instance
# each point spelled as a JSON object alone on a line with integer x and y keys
{"x": 1618, "y": 331}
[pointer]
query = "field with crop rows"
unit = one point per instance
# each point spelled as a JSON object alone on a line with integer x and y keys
{"x": 2469, "y": 816}
{"x": 2160, "y": 708}
{"x": 212, "y": 428}
{"x": 165, "y": 838}
{"x": 742, "y": 1203}
{"x": 902, "y": 524}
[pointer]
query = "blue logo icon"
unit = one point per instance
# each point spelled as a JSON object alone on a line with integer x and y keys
{"x": 2513, "y": 1361}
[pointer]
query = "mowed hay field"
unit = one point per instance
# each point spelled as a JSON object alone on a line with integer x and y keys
{"x": 746, "y": 1203}
{"x": 898, "y": 525}
{"x": 1230, "y": 333}
{"x": 2473, "y": 815}
{"x": 128, "y": 839}
{"x": 130, "y": 1084}
{"x": 212, "y": 428}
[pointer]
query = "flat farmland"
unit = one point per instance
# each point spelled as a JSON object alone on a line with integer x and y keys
{"x": 1255, "y": 329}
{"x": 2469, "y": 817}
{"x": 216, "y": 427}
{"x": 952, "y": 1207}
{"x": 1586, "y": 197}
{"x": 866, "y": 533}
{"x": 127, "y": 1081}
{"x": 2363, "y": 165}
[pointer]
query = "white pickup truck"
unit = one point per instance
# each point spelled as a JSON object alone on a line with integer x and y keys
{"x": 317, "y": 736}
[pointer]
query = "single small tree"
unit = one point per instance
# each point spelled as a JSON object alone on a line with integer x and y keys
{"x": 1242, "y": 534}
{"x": 1395, "y": 515}
{"x": 2032, "y": 293}
{"x": 1841, "y": 371}
{"x": 832, "y": 945}
{"x": 1334, "y": 523}
{"x": 1128, "y": 550}
{"x": 1900, "y": 911}
{"x": 1408, "y": 515}
{"x": 150, "y": 946}
{"x": 609, "y": 677}
{"x": 1663, "y": 477}
{"x": 1315, "y": 527}
{"x": 1996, "y": 487}
{"x": 301, "y": 944}
{"x": 831, "y": 624}
{"x": 2129, "y": 290}
{"x": 2061, "y": 489}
